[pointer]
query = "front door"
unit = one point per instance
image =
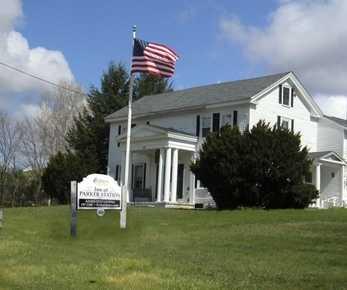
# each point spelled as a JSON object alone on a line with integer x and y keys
{"x": 180, "y": 175}
{"x": 139, "y": 177}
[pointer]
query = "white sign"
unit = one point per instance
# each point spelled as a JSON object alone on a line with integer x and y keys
{"x": 98, "y": 191}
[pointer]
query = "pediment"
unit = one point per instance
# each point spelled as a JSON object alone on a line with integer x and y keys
{"x": 332, "y": 156}
{"x": 144, "y": 131}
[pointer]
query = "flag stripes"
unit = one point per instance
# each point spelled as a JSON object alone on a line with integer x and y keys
{"x": 153, "y": 58}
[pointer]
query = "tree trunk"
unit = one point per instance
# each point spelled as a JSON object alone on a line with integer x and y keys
{"x": 38, "y": 189}
{"x": 1, "y": 216}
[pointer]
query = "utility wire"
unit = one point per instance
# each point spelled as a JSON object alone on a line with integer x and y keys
{"x": 41, "y": 79}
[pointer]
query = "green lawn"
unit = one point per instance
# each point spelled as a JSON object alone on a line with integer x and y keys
{"x": 174, "y": 249}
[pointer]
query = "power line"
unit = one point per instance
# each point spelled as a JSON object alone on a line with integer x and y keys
{"x": 41, "y": 79}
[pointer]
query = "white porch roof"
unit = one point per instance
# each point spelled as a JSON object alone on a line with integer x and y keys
{"x": 145, "y": 137}
{"x": 330, "y": 157}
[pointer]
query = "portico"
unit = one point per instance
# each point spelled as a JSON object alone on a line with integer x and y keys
{"x": 328, "y": 177}
{"x": 160, "y": 165}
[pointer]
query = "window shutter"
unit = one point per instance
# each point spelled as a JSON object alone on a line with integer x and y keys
{"x": 293, "y": 126}
{"x": 280, "y": 94}
{"x": 132, "y": 177}
{"x": 119, "y": 129}
{"x": 235, "y": 119}
{"x": 215, "y": 122}
{"x": 197, "y": 126}
{"x": 278, "y": 122}
{"x": 117, "y": 172}
{"x": 292, "y": 101}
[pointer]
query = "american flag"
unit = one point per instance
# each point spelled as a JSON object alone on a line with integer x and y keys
{"x": 153, "y": 58}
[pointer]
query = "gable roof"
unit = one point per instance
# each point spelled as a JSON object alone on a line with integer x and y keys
{"x": 319, "y": 154}
{"x": 323, "y": 155}
{"x": 241, "y": 90}
{"x": 339, "y": 121}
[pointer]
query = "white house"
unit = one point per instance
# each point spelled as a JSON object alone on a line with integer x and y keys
{"x": 169, "y": 128}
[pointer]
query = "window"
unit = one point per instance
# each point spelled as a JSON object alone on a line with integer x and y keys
{"x": 227, "y": 119}
{"x": 215, "y": 122}
{"x": 125, "y": 127}
{"x": 206, "y": 126}
{"x": 235, "y": 121}
{"x": 286, "y": 96}
{"x": 285, "y": 124}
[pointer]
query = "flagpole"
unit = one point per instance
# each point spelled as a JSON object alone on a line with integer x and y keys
{"x": 125, "y": 187}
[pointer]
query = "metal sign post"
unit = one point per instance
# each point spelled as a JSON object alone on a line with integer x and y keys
{"x": 73, "y": 228}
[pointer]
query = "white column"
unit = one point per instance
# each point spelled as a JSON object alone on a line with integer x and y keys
{"x": 167, "y": 175}
{"x": 192, "y": 182}
{"x": 160, "y": 175}
{"x": 174, "y": 175}
{"x": 317, "y": 183}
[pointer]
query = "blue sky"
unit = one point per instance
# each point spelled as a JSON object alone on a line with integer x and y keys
{"x": 91, "y": 34}
{"x": 216, "y": 40}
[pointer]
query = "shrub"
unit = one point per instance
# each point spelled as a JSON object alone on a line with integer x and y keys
{"x": 263, "y": 167}
{"x": 302, "y": 195}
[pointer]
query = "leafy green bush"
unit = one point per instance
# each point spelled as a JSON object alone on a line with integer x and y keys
{"x": 263, "y": 167}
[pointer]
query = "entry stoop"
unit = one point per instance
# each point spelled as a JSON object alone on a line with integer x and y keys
{"x": 181, "y": 205}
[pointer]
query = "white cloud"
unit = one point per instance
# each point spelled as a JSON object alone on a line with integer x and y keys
{"x": 16, "y": 51}
{"x": 333, "y": 105}
{"x": 306, "y": 36}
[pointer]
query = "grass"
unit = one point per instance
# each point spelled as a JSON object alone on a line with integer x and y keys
{"x": 174, "y": 249}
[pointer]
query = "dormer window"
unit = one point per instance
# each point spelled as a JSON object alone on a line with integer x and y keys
{"x": 286, "y": 96}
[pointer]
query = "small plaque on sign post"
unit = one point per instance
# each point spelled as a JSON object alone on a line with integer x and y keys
{"x": 97, "y": 191}
{"x": 100, "y": 212}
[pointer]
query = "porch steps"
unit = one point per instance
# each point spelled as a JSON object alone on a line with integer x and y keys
{"x": 181, "y": 205}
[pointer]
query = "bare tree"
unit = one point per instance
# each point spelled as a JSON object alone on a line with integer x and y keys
{"x": 10, "y": 138}
{"x": 57, "y": 113}
{"x": 44, "y": 134}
